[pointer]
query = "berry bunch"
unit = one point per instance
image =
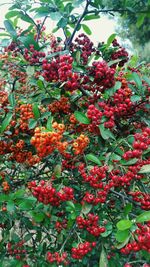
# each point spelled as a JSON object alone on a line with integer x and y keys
{"x": 95, "y": 176}
{"x": 142, "y": 198}
{"x": 46, "y": 142}
{"x": 80, "y": 144}
{"x": 142, "y": 235}
{"x": 16, "y": 250}
{"x": 141, "y": 143}
{"x": 90, "y": 224}
{"x": 103, "y": 75}
{"x": 60, "y": 69}
{"x": 57, "y": 258}
{"x": 33, "y": 56}
{"x": 26, "y": 113}
{"x": 82, "y": 250}
{"x": 47, "y": 194}
{"x": 5, "y": 186}
{"x": 83, "y": 44}
{"x": 61, "y": 105}
{"x": 61, "y": 225}
{"x": 120, "y": 53}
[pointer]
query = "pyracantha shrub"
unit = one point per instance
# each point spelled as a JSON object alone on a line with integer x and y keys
{"x": 74, "y": 146}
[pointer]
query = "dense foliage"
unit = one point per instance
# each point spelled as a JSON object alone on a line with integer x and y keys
{"x": 74, "y": 144}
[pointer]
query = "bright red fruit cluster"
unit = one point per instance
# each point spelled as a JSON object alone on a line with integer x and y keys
{"x": 82, "y": 249}
{"x": 142, "y": 235}
{"x": 90, "y": 224}
{"x": 57, "y": 258}
{"x": 47, "y": 194}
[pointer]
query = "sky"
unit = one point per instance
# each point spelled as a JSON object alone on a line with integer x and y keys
{"x": 101, "y": 28}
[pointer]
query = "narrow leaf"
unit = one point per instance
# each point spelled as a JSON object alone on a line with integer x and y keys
{"x": 6, "y": 122}
{"x": 81, "y": 117}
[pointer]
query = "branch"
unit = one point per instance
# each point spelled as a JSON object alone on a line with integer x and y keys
{"x": 123, "y": 196}
{"x": 78, "y": 23}
{"x": 40, "y": 28}
{"x": 115, "y": 10}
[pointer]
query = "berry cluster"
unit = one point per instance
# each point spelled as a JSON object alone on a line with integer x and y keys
{"x": 60, "y": 69}
{"x": 141, "y": 143}
{"x": 142, "y": 198}
{"x": 46, "y": 142}
{"x": 32, "y": 55}
{"x": 90, "y": 224}
{"x": 94, "y": 200}
{"x": 119, "y": 106}
{"x": 142, "y": 235}
{"x": 82, "y": 250}
{"x": 61, "y": 225}
{"x": 120, "y": 53}
{"x": 5, "y": 186}
{"x": 47, "y": 194}
{"x": 80, "y": 144}
{"x": 57, "y": 258}
{"x": 16, "y": 250}
{"x": 103, "y": 75}
{"x": 95, "y": 176}
{"x": 26, "y": 113}
{"x": 61, "y": 105}
{"x": 3, "y": 98}
{"x": 83, "y": 44}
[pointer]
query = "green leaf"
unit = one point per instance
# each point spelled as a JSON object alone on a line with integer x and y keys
{"x": 86, "y": 207}
{"x": 93, "y": 158}
{"x": 12, "y": 100}
{"x": 38, "y": 217}
{"x": 49, "y": 123}
{"x": 110, "y": 39}
{"x": 10, "y": 29}
{"x": 10, "y": 206}
{"x": 124, "y": 224}
{"x": 91, "y": 17}
{"x": 55, "y": 15}
{"x": 135, "y": 98}
{"x": 57, "y": 170}
{"x": 30, "y": 70}
{"x": 78, "y": 55}
{"x": 103, "y": 262}
{"x": 29, "y": 40}
{"x": 128, "y": 162}
{"x": 121, "y": 236}
{"x": 108, "y": 228}
{"x": 5, "y": 42}
{"x": 6, "y": 122}
{"x": 146, "y": 79}
{"x": 145, "y": 216}
{"x": 62, "y": 22}
{"x": 112, "y": 62}
{"x": 145, "y": 169}
{"x": 26, "y": 18}
{"x": 86, "y": 29}
{"x": 106, "y": 133}
{"x": 11, "y": 14}
{"x": 137, "y": 80}
{"x": 140, "y": 20}
{"x": 81, "y": 117}
{"x": 128, "y": 208}
{"x": 27, "y": 204}
{"x": 32, "y": 123}
{"x": 36, "y": 111}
